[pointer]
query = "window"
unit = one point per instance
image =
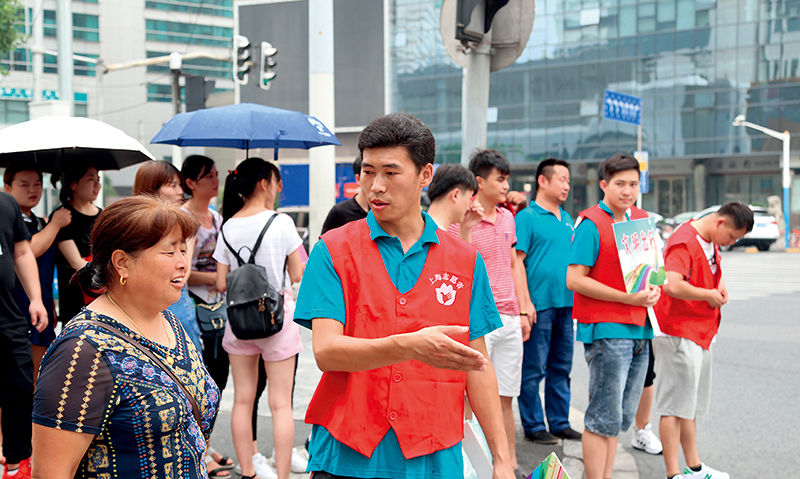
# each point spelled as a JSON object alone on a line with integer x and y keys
{"x": 220, "y": 8}
{"x": 163, "y": 31}
{"x": 159, "y": 93}
{"x": 84, "y": 27}
{"x": 13, "y": 111}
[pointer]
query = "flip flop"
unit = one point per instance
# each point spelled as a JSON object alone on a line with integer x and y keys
{"x": 217, "y": 472}
{"x": 225, "y": 463}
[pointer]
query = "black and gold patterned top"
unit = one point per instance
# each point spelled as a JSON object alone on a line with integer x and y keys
{"x": 94, "y": 382}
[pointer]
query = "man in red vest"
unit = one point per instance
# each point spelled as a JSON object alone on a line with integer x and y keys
{"x": 689, "y": 315}
{"x": 612, "y": 324}
{"x": 398, "y": 311}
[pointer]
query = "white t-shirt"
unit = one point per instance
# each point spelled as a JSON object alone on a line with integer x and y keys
{"x": 708, "y": 249}
{"x": 280, "y": 240}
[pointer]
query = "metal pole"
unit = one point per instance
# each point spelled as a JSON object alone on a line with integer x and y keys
{"x": 321, "y": 104}
{"x": 475, "y": 92}
{"x": 65, "y": 65}
{"x": 786, "y": 185}
{"x": 175, "y": 64}
{"x": 38, "y": 35}
{"x": 639, "y": 148}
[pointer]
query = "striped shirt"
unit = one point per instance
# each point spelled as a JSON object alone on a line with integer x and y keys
{"x": 495, "y": 243}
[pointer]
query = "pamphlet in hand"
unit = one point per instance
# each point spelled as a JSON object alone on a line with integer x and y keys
{"x": 550, "y": 468}
{"x": 640, "y": 254}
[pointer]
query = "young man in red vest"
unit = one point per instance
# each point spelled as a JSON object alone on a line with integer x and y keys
{"x": 689, "y": 315}
{"x": 612, "y": 324}
{"x": 398, "y": 311}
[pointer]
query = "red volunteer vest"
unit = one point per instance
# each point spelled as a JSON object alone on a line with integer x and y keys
{"x": 608, "y": 271}
{"x": 693, "y": 320}
{"x": 422, "y": 404}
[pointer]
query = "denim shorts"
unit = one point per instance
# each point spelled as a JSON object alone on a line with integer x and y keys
{"x": 617, "y": 369}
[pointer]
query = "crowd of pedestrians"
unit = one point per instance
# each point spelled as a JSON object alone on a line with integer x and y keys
{"x": 419, "y": 319}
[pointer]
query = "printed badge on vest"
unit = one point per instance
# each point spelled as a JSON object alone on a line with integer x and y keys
{"x": 446, "y": 286}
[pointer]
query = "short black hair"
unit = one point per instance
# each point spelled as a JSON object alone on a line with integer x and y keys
{"x": 357, "y": 164}
{"x": 739, "y": 213}
{"x": 12, "y": 170}
{"x": 451, "y": 176}
{"x": 546, "y": 167}
{"x": 400, "y": 129}
{"x": 617, "y": 163}
{"x": 482, "y": 162}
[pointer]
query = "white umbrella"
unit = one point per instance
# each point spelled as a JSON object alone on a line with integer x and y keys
{"x": 47, "y": 143}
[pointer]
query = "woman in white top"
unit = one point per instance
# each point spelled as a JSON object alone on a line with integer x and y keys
{"x": 250, "y": 193}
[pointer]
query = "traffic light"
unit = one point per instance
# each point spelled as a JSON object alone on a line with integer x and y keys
{"x": 243, "y": 56}
{"x": 197, "y": 90}
{"x": 268, "y": 64}
{"x": 466, "y": 29}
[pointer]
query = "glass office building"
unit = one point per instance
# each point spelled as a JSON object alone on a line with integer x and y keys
{"x": 696, "y": 64}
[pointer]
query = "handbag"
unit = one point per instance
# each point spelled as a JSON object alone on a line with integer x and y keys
{"x": 211, "y": 317}
{"x": 155, "y": 359}
{"x": 255, "y": 308}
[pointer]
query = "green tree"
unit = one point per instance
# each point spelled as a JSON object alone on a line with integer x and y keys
{"x": 11, "y": 15}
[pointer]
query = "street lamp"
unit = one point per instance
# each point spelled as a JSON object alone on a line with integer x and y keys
{"x": 785, "y": 137}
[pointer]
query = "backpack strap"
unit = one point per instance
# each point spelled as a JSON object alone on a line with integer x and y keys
{"x": 254, "y": 248}
{"x": 239, "y": 259}
{"x": 260, "y": 237}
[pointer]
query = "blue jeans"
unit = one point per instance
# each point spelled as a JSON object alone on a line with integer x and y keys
{"x": 184, "y": 310}
{"x": 616, "y": 377}
{"x": 547, "y": 355}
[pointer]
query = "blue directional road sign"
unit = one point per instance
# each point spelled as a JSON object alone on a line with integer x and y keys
{"x": 621, "y": 107}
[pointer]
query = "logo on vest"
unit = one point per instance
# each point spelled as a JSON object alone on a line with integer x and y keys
{"x": 448, "y": 286}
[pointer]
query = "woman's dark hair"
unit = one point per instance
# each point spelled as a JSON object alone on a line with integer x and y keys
{"x": 482, "y": 162}
{"x": 132, "y": 225}
{"x": 72, "y": 173}
{"x": 617, "y": 163}
{"x": 152, "y": 175}
{"x": 400, "y": 129}
{"x": 195, "y": 167}
{"x": 242, "y": 181}
{"x": 451, "y": 176}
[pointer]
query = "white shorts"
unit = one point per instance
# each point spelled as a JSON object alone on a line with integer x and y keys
{"x": 683, "y": 377}
{"x": 505, "y": 352}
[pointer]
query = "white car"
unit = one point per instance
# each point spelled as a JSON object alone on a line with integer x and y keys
{"x": 765, "y": 228}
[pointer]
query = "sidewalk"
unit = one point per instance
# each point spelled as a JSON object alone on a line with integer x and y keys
{"x": 529, "y": 454}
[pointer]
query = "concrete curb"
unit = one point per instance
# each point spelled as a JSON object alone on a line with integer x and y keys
{"x": 624, "y": 463}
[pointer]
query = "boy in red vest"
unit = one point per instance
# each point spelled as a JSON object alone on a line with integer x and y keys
{"x": 612, "y": 324}
{"x": 398, "y": 310}
{"x": 689, "y": 315}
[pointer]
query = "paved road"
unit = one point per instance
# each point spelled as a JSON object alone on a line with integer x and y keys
{"x": 753, "y": 423}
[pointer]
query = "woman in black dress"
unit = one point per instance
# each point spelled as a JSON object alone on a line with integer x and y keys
{"x": 80, "y": 185}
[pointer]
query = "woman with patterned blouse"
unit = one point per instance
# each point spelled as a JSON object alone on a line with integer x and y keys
{"x": 103, "y": 409}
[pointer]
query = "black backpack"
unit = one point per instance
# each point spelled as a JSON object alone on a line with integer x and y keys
{"x": 255, "y": 309}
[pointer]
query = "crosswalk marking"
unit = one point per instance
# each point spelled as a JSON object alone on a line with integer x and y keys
{"x": 757, "y": 275}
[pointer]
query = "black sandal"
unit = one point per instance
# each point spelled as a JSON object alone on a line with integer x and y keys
{"x": 216, "y": 472}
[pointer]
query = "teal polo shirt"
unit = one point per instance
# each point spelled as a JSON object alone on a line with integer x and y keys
{"x": 321, "y": 296}
{"x": 545, "y": 240}
{"x": 585, "y": 248}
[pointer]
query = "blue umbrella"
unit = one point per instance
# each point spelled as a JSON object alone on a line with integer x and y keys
{"x": 245, "y": 126}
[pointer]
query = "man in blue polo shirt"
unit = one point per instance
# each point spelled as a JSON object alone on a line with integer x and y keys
{"x": 544, "y": 231}
{"x": 612, "y": 324}
{"x": 398, "y": 152}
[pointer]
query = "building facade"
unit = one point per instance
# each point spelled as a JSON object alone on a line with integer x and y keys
{"x": 137, "y": 100}
{"x": 696, "y": 64}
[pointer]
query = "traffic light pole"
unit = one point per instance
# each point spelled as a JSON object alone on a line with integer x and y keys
{"x": 475, "y": 92}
